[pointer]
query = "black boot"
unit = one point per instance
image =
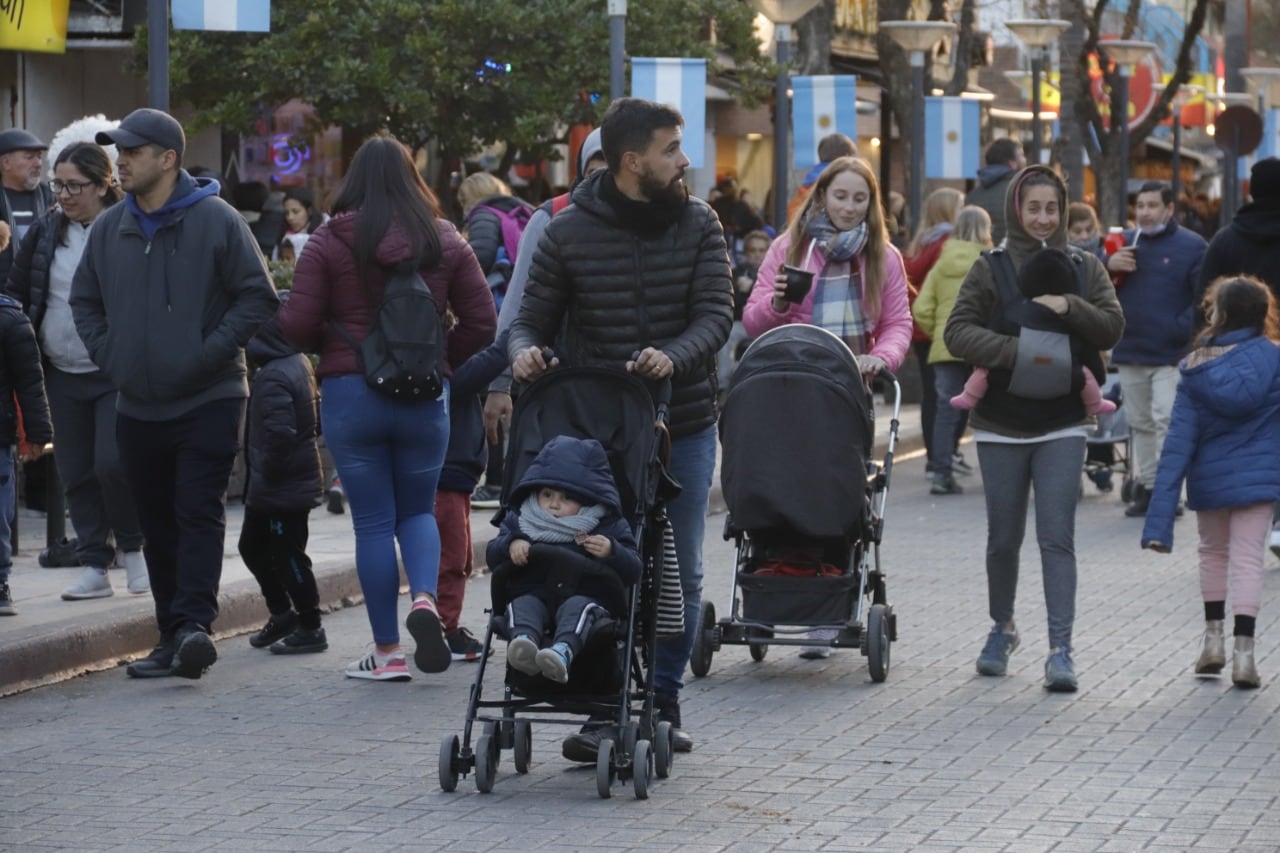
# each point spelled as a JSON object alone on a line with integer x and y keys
{"x": 1141, "y": 500}
{"x": 668, "y": 707}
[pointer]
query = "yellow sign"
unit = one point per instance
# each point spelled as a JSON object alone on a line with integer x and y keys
{"x": 36, "y": 25}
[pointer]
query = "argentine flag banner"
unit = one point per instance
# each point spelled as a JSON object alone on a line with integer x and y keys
{"x": 1270, "y": 145}
{"x": 952, "y": 137}
{"x": 245, "y": 16}
{"x": 679, "y": 83}
{"x": 821, "y": 106}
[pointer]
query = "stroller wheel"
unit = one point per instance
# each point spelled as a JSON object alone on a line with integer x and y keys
{"x": 704, "y": 641}
{"x": 449, "y": 752}
{"x": 486, "y": 763}
{"x": 878, "y": 643}
{"x": 758, "y": 650}
{"x": 605, "y": 770}
{"x": 522, "y": 749}
{"x": 662, "y": 750}
{"x": 642, "y": 769}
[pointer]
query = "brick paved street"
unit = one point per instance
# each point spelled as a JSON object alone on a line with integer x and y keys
{"x": 268, "y": 753}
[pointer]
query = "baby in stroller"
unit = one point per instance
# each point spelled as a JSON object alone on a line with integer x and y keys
{"x": 566, "y": 498}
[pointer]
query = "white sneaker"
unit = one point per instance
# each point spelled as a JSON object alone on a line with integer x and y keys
{"x": 818, "y": 652}
{"x": 93, "y": 583}
{"x": 135, "y": 566}
{"x": 1275, "y": 541}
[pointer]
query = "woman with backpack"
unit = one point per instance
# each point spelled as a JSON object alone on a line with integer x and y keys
{"x": 1025, "y": 443}
{"x": 388, "y": 451}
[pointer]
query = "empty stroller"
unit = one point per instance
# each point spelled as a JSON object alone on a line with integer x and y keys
{"x": 806, "y": 502}
{"x": 611, "y": 677}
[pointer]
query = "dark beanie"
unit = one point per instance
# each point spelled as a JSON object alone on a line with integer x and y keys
{"x": 1047, "y": 271}
{"x": 1264, "y": 180}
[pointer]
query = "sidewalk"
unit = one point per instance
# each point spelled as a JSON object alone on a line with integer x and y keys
{"x": 51, "y": 640}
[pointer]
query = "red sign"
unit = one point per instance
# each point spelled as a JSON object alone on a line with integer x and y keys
{"x": 1144, "y": 89}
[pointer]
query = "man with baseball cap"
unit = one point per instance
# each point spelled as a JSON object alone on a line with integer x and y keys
{"x": 24, "y": 197}
{"x": 185, "y": 286}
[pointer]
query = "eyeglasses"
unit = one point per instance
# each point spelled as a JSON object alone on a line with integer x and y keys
{"x": 72, "y": 187}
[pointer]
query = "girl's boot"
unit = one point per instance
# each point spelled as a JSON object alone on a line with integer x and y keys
{"x": 1213, "y": 654}
{"x": 1243, "y": 672}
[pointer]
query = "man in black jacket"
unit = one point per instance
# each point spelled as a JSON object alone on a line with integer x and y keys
{"x": 636, "y": 265}
{"x": 24, "y": 197}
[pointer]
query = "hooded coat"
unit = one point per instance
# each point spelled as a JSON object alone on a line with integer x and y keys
{"x": 1224, "y": 434}
{"x": 939, "y": 291}
{"x": 1096, "y": 318}
{"x": 989, "y": 194}
{"x": 1250, "y": 245}
{"x": 280, "y": 431}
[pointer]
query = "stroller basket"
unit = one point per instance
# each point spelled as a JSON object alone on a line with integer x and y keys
{"x": 778, "y": 599}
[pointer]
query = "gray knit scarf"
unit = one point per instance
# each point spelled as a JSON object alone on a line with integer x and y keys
{"x": 541, "y": 526}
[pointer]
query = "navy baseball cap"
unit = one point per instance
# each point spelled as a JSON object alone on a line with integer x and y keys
{"x": 17, "y": 139}
{"x": 146, "y": 127}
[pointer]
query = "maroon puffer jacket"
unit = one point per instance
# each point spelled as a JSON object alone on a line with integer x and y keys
{"x": 325, "y": 287}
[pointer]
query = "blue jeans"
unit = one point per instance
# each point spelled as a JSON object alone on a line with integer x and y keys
{"x": 693, "y": 464}
{"x": 8, "y": 508}
{"x": 948, "y": 381}
{"x": 388, "y": 455}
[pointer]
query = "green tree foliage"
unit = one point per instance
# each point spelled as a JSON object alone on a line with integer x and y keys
{"x": 411, "y": 67}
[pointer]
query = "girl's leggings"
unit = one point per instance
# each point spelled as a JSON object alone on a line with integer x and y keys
{"x": 1233, "y": 542}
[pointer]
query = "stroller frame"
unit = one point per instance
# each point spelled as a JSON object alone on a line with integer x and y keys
{"x": 636, "y": 746}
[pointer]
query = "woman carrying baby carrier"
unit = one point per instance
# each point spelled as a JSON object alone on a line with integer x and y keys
{"x": 1025, "y": 442}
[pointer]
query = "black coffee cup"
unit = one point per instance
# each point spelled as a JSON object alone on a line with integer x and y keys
{"x": 798, "y": 283}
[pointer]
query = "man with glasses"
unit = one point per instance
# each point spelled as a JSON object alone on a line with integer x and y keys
{"x": 23, "y": 198}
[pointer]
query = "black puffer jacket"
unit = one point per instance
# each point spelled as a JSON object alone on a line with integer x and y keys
{"x": 280, "y": 432}
{"x": 623, "y": 284}
{"x": 29, "y": 276}
{"x": 20, "y": 372}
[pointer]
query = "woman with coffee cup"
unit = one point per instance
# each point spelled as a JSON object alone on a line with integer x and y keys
{"x": 834, "y": 267}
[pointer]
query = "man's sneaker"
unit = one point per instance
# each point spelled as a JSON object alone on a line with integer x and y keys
{"x": 432, "y": 652}
{"x": 463, "y": 646}
{"x": 303, "y": 641}
{"x": 1059, "y": 673}
{"x": 334, "y": 498}
{"x": 486, "y": 497}
{"x": 6, "y": 601}
{"x": 818, "y": 652}
{"x": 522, "y": 654}
{"x": 994, "y": 659}
{"x": 585, "y": 745}
{"x": 668, "y": 707}
{"x": 944, "y": 483}
{"x": 553, "y": 662}
{"x": 959, "y": 466}
{"x": 135, "y": 567}
{"x": 158, "y": 664}
{"x": 279, "y": 626}
{"x": 93, "y": 583}
{"x": 379, "y": 667}
{"x": 195, "y": 652}
{"x": 1141, "y": 500}
{"x": 1274, "y": 542}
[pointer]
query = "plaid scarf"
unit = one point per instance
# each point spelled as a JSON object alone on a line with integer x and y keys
{"x": 837, "y": 296}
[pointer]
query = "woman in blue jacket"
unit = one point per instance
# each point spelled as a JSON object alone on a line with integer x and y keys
{"x": 1224, "y": 440}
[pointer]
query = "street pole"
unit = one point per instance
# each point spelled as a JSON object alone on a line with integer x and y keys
{"x": 1231, "y": 178}
{"x": 158, "y": 54}
{"x": 917, "y": 138}
{"x": 1037, "y": 132}
{"x": 1175, "y": 158}
{"x": 1122, "y": 107}
{"x": 781, "y": 127}
{"x": 617, "y": 47}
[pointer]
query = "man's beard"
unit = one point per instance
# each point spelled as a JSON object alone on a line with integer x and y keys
{"x": 32, "y": 182}
{"x": 660, "y": 193}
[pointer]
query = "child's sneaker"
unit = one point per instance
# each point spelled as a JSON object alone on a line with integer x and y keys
{"x": 6, "y": 602}
{"x": 432, "y": 652}
{"x": 994, "y": 658}
{"x": 553, "y": 662}
{"x": 522, "y": 653}
{"x": 379, "y": 667}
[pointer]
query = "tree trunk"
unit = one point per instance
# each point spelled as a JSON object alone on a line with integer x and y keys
{"x": 813, "y": 34}
{"x": 895, "y": 70}
{"x": 1071, "y": 142}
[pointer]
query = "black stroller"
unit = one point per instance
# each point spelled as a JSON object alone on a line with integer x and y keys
{"x": 612, "y": 677}
{"x": 1109, "y": 448}
{"x": 806, "y": 502}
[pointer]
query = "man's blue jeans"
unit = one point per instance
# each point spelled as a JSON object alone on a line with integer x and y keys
{"x": 388, "y": 455}
{"x": 693, "y": 464}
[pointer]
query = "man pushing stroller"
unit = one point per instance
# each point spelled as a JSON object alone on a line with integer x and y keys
{"x": 566, "y": 498}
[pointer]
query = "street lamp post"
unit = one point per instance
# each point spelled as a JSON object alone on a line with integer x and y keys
{"x": 1185, "y": 93}
{"x": 1125, "y": 54}
{"x": 782, "y": 13}
{"x": 1037, "y": 35}
{"x": 917, "y": 38}
{"x": 617, "y": 47}
{"x": 1228, "y": 140}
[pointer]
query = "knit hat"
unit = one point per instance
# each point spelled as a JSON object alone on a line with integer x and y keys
{"x": 1047, "y": 271}
{"x": 1264, "y": 180}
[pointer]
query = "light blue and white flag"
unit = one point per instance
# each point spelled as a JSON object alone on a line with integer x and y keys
{"x": 245, "y": 16}
{"x": 952, "y": 137}
{"x": 821, "y": 106}
{"x": 679, "y": 83}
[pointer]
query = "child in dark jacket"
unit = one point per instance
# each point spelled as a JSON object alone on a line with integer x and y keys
{"x": 464, "y": 463}
{"x": 566, "y": 498}
{"x": 284, "y": 484}
{"x": 21, "y": 396}
{"x": 1050, "y": 272}
{"x": 1224, "y": 439}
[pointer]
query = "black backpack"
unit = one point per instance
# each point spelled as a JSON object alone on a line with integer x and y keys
{"x": 403, "y": 354}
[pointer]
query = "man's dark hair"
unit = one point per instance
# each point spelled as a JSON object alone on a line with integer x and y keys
{"x": 1166, "y": 191}
{"x": 159, "y": 150}
{"x": 835, "y": 145}
{"x": 628, "y": 125}
{"x": 1003, "y": 150}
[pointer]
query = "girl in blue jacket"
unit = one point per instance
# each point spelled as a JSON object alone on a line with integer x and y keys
{"x": 1224, "y": 440}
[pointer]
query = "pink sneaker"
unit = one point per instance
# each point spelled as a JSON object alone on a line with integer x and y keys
{"x": 432, "y": 650}
{"x": 377, "y": 667}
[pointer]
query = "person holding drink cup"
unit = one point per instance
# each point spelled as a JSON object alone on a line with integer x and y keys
{"x": 834, "y": 267}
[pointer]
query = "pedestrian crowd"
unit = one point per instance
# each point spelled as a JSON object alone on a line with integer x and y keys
{"x": 136, "y": 300}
